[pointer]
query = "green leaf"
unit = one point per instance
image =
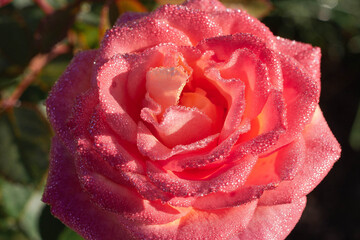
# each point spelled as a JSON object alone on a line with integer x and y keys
{"x": 355, "y": 132}
{"x": 10, "y": 165}
{"x": 69, "y": 234}
{"x": 19, "y": 4}
{"x": 12, "y": 235}
{"x": 21, "y": 207}
{"x": 59, "y": 3}
{"x": 14, "y": 197}
{"x": 87, "y": 35}
{"x": 30, "y": 218}
{"x": 52, "y": 71}
{"x": 33, "y": 138}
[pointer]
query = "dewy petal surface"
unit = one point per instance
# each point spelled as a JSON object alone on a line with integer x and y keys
{"x": 62, "y": 97}
{"x": 71, "y": 204}
{"x": 322, "y": 150}
{"x": 165, "y": 85}
{"x": 273, "y": 222}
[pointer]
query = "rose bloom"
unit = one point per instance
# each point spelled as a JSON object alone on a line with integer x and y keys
{"x": 190, "y": 122}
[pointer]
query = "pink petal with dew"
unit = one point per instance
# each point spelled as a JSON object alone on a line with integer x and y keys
{"x": 234, "y": 91}
{"x": 271, "y": 124}
{"x": 112, "y": 81}
{"x": 225, "y": 46}
{"x": 195, "y": 24}
{"x": 238, "y": 21}
{"x": 165, "y": 85}
{"x": 119, "y": 154}
{"x": 211, "y": 157}
{"x": 273, "y": 222}
{"x": 233, "y": 21}
{"x": 266, "y": 174}
{"x": 322, "y": 150}
{"x": 308, "y": 56}
{"x": 62, "y": 97}
{"x": 162, "y": 55}
{"x": 226, "y": 179}
{"x": 151, "y": 147}
{"x": 72, "y": 205}
{"x": 123, "y": 200}
{"x": 216, "y": 224}
{"x": 145, "y": 33}
{"x": 90, "y": 163}
{"x": 245, "y": 66}
{"x": 280, "y": 165}
{"x": 180, "y": 125}
{"x": 301, "y": 94}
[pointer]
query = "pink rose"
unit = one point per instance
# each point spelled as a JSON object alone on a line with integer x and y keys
{"x": 190, "y": 122}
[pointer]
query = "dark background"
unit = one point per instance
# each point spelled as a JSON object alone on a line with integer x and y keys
{"x": 29, "y": 30}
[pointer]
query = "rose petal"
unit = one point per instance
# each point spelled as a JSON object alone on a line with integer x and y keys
{"x": 120, "y": 155}
{"x": 71, "y": 205}
{"x": 146, "y": 33}
{"x": 62, "y": 97}
{"x": 307, "y": 55}
{"x": 280, "y": 165}
{"x": 165, "y": 85}
{"x": 163, "y": 55}
{"x": 266, "y": 174}
{"x": 112, "y": 80}
{"x": 151, "y": 147}
{"x": 301, "y": 94}
{"x": 216, "y": 224}
{"x": 238, "y": 21}
{"x": 226, "y": 179}
{"x": 193, "y": 23}
{"x": 322, "y": 150}
{"x": 245, "y": 66}
{"x": 271, "y": 125}
{"x": 210, "y": 157}
{"x": 221, "y": 200}
{"x": 225, "y": 46}
{"x": 180, "y": 125}
{"x": 273, "y": 222}
{"x": 91, "y": 165}
{"x": 121, "y": 200}
{"x": 235, "y": 92}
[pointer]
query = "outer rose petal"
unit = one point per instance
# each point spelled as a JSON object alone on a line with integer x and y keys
{"x": 238, "y": 21}
{"x": 322, "y": 150}
{"x": 215, "y": 225}
{"x": 273, "y": 222}
{"x": 301, "y": 94}
{"x": 74, "y": 82}
{"x": 305, "y": 54}
{"x": 72, "y": 205}
{"x": 146, "y": 34}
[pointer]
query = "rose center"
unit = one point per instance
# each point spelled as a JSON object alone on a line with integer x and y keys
{"x": 199, "y": 100}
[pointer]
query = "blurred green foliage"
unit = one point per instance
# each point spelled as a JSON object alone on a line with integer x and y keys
{"x": 30, "y": 31}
